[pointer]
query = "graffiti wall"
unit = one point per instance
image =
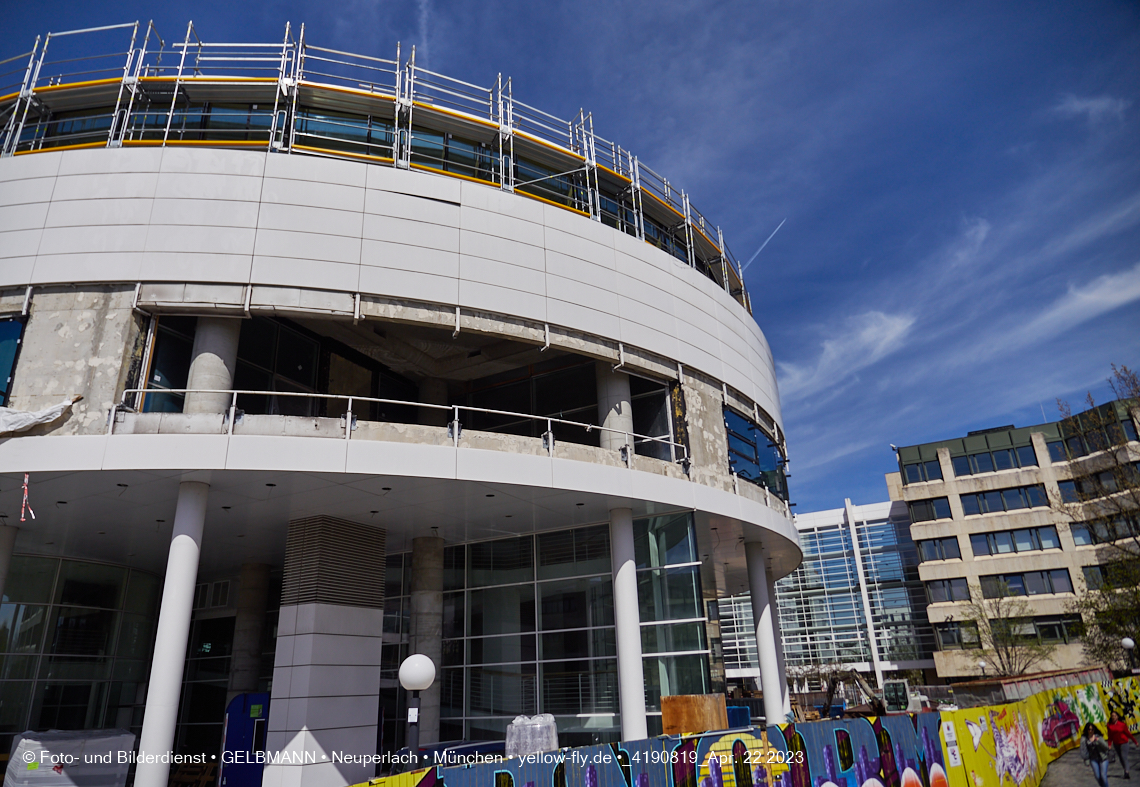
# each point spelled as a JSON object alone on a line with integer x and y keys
{"x": 995, "y": 746}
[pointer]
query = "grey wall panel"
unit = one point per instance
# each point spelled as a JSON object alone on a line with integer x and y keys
{"x": 212, "y": 215}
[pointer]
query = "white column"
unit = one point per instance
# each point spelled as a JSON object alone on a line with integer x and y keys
{"x": 173, "y": 631}
{"x": 762, "y": 615}
{"x": 627, "y": 622}
{"x": 214, "y": 358}
{"x": 614, "y": 408}
{"x": 7, "y": 545}
{"x": 785, "y": 693}
{"x": 873, "y": 646}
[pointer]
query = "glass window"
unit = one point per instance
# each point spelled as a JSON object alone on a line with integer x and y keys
{"x": 959, "y": 590}
{"x": 578, "y": 644}
{"x": 500, "y": 562}
{"x": 1081, "y": 535}
{"x": 971, "y": 505}
{"x": 1012, "y": 499}
{"x": 496, "y": 650}
{"x": 1035, "y": 496}
{"x": 669, "y": 675}
{"x": 1036, "y": 583}
{"x": 961, "y": 465}
{"x": 991, "y": 502}
{"x": 454, "y": 567}
{"x": 1048, "y": 537}
{"x": 453, "y": 615}
{"x": 1015, "y": 583}
{"x": 1002, "y": 542}
{"x": 11, "y": 332}
{"x": 30, "y": 579}
{"x": 1026, "y": 456}
{"x": 574, "y": 552}
{"x": 1068, "y": 491}
{"x": 979, "y": 544}
{"x": 22, "y": 628}
{"x": 1056, "y": 451}
{"x": 664, "y": 541}
{"x": 502, "y": 610}
{"x": 669, "y": 594}
{"x": 90, "y": 584}
{"x": 1094, "y": 577}
{"x": 673, "y": 637}
{"x": 983, "y": 463}
{"x": 941, "y": 508}
{"x": 1003, "y": 459}
{"x": 913, "y": 473}
{"x": 992, "y": 586}
{"x": 503, "y": 690}
{"x": 1023, "y": 540}
{"x": 576, "y": 603}
{"x": 1059, "y": 578}
{"x": 933, "y": 470}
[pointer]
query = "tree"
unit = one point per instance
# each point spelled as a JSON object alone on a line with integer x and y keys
{"x": 1006, "y": 636}
{"x": 1103, "y": 496}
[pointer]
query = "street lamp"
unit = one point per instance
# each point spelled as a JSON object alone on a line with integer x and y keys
{"x": 982, "y": 664}
{"x": 1128, "y": 644}
{"x": 416, "y": 674}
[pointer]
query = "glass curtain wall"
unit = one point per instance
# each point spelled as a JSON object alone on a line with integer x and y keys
{"x": 528, "y": 628}
{"x": 75, "y": 645}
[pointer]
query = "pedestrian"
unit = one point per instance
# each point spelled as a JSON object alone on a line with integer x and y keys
{"x": 1096, "y": 751}
{"x": 1120, "y": 736}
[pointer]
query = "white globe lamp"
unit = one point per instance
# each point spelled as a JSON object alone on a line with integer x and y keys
{"x": 417, "y": 672}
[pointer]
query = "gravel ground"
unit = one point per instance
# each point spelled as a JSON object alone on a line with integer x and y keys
{"x": 1072, "y": 771}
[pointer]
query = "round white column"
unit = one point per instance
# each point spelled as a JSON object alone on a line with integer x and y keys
{"x": 765, "y": 634}
{"x": 7, "y": 545}
{"x": 173, "y": 632}
{"x": 614, "y": 408}
{"x": 785, "y": 693}
{"x": 214, "y": 358}
{"x": 627, "y": 624}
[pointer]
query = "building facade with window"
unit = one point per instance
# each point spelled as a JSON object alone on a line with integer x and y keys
{"x": 1018, "y": 512}
{"x": 855, "y": 603}
{"x": 373, "y": 362}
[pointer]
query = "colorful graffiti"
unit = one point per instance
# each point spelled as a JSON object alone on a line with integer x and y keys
{"x": 998, "y": 746}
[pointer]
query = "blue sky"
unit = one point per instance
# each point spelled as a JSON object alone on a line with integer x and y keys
{"x": 961, "y": 181}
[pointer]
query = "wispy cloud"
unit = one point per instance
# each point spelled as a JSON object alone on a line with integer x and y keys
{"x": 1081, "y": 304}
{"x": 423, "y": 9}
{"x": 863, "y": 340}
{"x": 1097, "y": 110}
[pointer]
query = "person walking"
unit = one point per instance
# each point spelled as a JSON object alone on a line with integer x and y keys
{"x": 1096, "y": 751}
{"x": 1120, "y": 736}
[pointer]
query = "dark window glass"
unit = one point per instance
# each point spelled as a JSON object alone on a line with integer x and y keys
{"x": 1003, "y": 459}
{"x": 1068, "y": 491}
{"x": 950, "y": 549}
{"x": 1002, "y": 542}
{"x": 992, "y": 586}
{"x": 941, "y": 508}
{"x": 1056, "y": 451}
{"x": 1128, "y": 428}
{"x": 504, "y": 610}
{"x": 1076, "y": 446}
{"x": 1060, "y": 580}
{"x": 913, "y": 473}
{"x": 1015, "y": 584}
{"x": 500, "y": 562}
{"x": 1035, "y": 496}
{"x": 979, "y": 544}
{"x": 933, "y": 470}
{"x": 1048, "y": 537}
{"x": 11, "y": 332}
{"x": 1081, "y": 535}
{"x": 959, "y": 590}
{"x": 1094, "y": 577}
{"x": 1024, "y": 541}
{"x": 1012, "y": 499}
{"x": 991, "y": 502}
{"x": 1026, "y": 456}
{"x": 983, "y": 463}
{"x": 1036, "y": 583}
{"x": 971, "y": 505}
{"x": 961, "y": 465}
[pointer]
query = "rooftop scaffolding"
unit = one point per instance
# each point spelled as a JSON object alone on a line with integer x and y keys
{"x": 296, "y": 98}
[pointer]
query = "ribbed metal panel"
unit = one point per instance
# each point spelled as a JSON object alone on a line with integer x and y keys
{"x": 333, "y": 561}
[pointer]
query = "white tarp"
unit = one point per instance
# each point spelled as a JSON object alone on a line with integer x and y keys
{"x": 57, "y": 758}
{"x": 19, "y": 420}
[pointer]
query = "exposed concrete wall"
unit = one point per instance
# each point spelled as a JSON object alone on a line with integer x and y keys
{"x": 249, "y": 625}
{"x": 708, "y": 440}
{"x": 426, "y": 635}
{"x": 78, "y": 341}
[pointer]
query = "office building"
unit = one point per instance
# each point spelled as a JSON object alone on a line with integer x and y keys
{"x": 373, "y": 361}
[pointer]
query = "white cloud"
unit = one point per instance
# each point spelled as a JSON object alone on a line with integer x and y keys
{"x": 1081, "y": 304}
{"x": 1096, "y": 109}
{"x": 864, "y": 339}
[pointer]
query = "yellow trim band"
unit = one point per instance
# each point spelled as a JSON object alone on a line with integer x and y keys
{"x": 364, "y": 156}
{"x": 78, "y": 146}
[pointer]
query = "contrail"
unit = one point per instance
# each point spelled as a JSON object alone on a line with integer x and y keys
{"x": 762, "y": 245}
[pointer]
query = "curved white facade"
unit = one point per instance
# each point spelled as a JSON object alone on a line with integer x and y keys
{"x": 526, "y": 434}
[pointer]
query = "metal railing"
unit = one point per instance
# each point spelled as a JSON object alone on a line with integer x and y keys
{"x": 188, "y": 92}
{"x": 678, "y": 452}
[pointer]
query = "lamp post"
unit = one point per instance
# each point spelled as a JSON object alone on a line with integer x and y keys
{"x": 982, "y": 665}
{"x": 1128, "y": 644}
{"x": 416, "y": 674}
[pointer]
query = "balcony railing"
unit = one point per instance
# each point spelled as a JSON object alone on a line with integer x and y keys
{"x": 296, "y": 97}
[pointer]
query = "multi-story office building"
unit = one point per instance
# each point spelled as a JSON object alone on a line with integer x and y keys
{"x": 373, "y": 361}
{"x": 855, "y": 603}
{"x": 998, "y": 512}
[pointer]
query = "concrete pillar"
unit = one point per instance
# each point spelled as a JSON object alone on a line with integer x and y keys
{"x": 426, "y": 625}
{"x": 785, "y": 693}
{"x": 627, "y": 622}
{"x": 249, "y": 627}
{"x": 173, "y": 631}
{"x": 762, "y": 615}
{"x": 212, "y": 364}
{"x": 7, "y": 544}
{"x": 614, "y": 408}
{"x": 433, "y": 391}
